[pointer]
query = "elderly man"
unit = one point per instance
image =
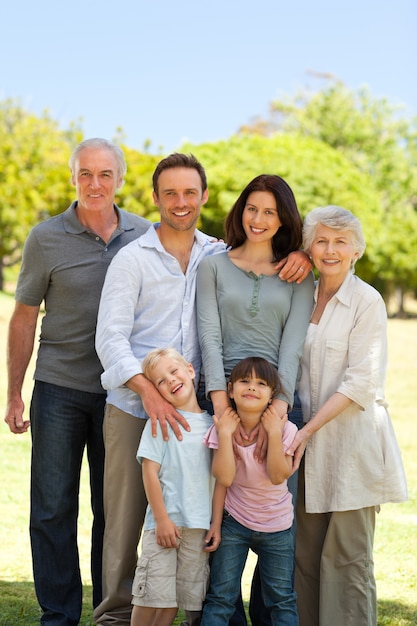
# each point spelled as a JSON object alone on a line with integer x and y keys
{"x": 65, "y": 260}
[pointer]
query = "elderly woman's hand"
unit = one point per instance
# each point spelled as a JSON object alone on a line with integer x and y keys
{"x": 296, "y": 449}
{"x": 295, "y": 267}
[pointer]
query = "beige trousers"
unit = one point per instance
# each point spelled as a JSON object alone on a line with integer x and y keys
{"x": 334, "y": 575}
{"x": 124, "y": 511}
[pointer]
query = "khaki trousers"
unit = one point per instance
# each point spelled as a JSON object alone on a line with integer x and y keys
{"x": 334, "y": 575}
{"x": 124, "y": 511}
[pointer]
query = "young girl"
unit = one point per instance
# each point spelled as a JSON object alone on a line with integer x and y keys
{"x": 258, "y": 510}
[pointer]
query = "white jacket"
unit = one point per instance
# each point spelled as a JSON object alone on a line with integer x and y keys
{"x": 354, "y": 460}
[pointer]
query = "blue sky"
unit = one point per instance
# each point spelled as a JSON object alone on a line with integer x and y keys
{"x": 171, "y": 70}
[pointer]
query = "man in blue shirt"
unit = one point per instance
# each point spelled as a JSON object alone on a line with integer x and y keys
{"x": 147, "y": 302}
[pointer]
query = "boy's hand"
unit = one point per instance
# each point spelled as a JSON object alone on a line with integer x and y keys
{"x": 167, "y": 534}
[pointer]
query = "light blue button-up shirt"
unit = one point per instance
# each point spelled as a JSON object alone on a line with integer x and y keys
{"x": 147, "y": 302}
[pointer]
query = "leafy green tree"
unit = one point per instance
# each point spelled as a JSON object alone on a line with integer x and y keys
{"x": 136, "y": 193}
{"x": 317, "y": 173}
{"x": 379, "y": 141}
{"x": 34, "y": 178}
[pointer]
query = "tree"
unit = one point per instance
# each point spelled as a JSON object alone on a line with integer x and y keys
{"x": 318, "y": 175}
{"x": 380, "y": 142}
{"x": 34, "y": 179}
{"x": 136, "y": 193}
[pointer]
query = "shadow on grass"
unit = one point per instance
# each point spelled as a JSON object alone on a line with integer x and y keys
{"x": 394, "y": 613}
{"x": 390, "y": 613}
{"x": 19, "y": 606}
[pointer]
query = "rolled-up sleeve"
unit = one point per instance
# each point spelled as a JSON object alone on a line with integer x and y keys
{"x": 115, "y": 321}
{"x": 367, "y": 350}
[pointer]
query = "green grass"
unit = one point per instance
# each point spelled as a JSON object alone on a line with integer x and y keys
{"x": 396, "y": 534}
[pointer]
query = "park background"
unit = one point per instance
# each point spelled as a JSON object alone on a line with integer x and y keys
{"x": 322, "y": 94}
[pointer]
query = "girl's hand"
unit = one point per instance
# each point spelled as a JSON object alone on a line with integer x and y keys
{"x": 272, "y": 422}
{"x": 268, "y": 425}
{"x": 228, "y": 422}
{"x": 212, "y": 538}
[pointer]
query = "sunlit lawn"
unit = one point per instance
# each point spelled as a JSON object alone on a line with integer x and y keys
{"x": 396, "y": 536}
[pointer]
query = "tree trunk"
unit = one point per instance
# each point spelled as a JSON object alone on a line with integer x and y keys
{"x": 399, "y": 298}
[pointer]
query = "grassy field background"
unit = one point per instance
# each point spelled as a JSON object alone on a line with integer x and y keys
{"x": 396, "y": 534}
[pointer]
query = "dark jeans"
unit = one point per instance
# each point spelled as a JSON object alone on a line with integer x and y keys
{"x": 63, "y": 422}
{"x": 259, "y": 614}
{"x": 276, "y": 556}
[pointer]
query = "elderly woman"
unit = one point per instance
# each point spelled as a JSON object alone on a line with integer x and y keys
{"x": 352, "y": 462}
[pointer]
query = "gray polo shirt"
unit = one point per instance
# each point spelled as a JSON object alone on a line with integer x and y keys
{"x": 64, "y": 266}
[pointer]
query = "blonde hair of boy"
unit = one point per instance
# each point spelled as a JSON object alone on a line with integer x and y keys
{"x": 153, "y": 357}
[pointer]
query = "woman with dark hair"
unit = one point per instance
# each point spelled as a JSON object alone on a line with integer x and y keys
{"x": 245, "y": 309}
{"x": 288, "y": 237}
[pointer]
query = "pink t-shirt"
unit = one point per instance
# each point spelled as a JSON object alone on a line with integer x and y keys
{"x": 252, "y": 499}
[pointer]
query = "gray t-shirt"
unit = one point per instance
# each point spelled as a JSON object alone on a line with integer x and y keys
{"x": 64, "y": 266}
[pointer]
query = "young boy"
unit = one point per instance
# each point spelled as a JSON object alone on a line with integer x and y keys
{"x": 258, "y": 510}
{"x": 172, "y": 570}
